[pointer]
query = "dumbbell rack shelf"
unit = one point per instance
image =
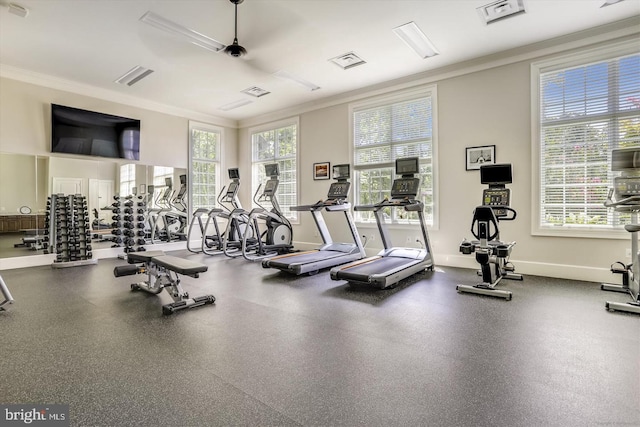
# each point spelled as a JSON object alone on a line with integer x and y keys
{"x": 68, "y": 232}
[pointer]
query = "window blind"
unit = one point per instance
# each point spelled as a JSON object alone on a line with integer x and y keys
{"x": 585, "y": 112}
{"x": 384, "y": 133}
{"x": 205, "y": 164}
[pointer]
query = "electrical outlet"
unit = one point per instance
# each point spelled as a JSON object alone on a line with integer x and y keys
{"x": 628, "y": 253}
{"x": 371, "y": 238}
{"x": 409, "y": 240}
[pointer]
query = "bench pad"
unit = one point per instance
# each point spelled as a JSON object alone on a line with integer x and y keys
{"x": 179, "y": 265}
{"x": 134, "y": 257}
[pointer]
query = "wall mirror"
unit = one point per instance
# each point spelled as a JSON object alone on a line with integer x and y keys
{"x": 26, "y": 181}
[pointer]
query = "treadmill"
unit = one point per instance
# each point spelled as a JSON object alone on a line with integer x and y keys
{"x": 392, "y": 264}
{"x": 330, "y": 253}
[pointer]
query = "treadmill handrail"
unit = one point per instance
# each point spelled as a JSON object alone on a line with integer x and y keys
{"x": 404, "y": 202}
{"x": 329, "y": 204}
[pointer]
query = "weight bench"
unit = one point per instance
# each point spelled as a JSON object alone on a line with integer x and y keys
{"x": 5, "y": 292}
{"x": 163, "y": 271}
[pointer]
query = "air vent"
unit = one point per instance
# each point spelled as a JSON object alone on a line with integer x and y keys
{"x": 256, "y": 91}
{"x": 133, "y": 76}
{"x": 500, "y": 9}
{"x": 348, "y": 60}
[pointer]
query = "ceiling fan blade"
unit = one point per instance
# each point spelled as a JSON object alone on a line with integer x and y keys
{"x": 192, "y": 36}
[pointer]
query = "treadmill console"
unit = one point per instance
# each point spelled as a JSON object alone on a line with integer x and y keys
{"x": 339, "y": 190}
{"x": 405, "y": 188}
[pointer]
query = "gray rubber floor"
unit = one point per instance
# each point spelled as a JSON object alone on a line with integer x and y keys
{"x": 276, "y": 350}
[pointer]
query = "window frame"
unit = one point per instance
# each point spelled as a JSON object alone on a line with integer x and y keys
{"x": 558, "y": 62}
{"x": 430, "y": 90}
{"x": 205, "y": 127}
{"x": 292, "y": 121}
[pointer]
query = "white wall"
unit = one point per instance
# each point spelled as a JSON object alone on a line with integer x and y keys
{"x": 487, "y": 107}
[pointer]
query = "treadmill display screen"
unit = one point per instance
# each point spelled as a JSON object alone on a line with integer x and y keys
{"x": 405, "y": 187}
{"x": 339, "y": 190}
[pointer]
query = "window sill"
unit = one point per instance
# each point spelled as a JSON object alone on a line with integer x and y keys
{"x": 583, "y": 233}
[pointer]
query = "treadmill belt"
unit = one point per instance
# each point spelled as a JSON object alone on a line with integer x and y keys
{"x": 377, "y": 266}
{"x": 305, "y": 258}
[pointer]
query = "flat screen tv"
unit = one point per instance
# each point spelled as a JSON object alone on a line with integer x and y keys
{"x": 76, "y": 131}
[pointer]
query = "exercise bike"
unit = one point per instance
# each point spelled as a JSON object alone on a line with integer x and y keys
{"x": 275, "y": 236}
{"x": 626, "y": 190}
{"x": 491, "y": 253}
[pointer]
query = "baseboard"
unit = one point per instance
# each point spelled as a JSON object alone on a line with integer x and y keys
{"x": 560, "y": 271}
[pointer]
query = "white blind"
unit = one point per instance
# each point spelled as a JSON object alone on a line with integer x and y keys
{"x": 586, "y": 111}
{"x": 384, "y": 133}
{"x": 278, "y": 145}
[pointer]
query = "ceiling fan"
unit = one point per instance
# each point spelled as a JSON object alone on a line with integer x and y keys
{"x": 235, "y": 49}
{"x": 194, "y": 37}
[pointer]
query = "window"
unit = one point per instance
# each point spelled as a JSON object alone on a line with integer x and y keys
{"x": 586, "y": 108}
{"x": 205, "y": 166}
{"x": 277, "y": 144}
{"x": 384, "y": 131}
{"x": 127, "y": 179}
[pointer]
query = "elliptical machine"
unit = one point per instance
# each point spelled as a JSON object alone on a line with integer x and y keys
{"x": 491, "y": 253}
{"x": 276, "y": 236}
{"x": 227, "y": 241}
{"x": 626, "y": 189}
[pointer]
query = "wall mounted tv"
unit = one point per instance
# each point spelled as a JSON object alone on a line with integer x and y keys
{"x": 75, "y": 131}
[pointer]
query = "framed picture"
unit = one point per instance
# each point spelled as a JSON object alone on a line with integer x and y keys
{"x": 321, "y": 170}
{"x": 478, "y": 156}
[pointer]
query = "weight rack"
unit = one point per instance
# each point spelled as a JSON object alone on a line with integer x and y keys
{"x": 67, "y": 231}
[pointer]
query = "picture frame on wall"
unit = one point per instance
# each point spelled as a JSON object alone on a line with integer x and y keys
{"x": 321, "y": 170}
{"x": 480, "y": 155}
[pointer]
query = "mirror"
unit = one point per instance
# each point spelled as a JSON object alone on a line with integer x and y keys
{"x": 26, "y": 181}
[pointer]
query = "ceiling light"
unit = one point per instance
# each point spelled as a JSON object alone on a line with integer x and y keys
{"x": 500, "y": 9}
{"x": 192, "y": 36}
{"x": 18, "y": 10}
{"x": 133, "y": 76}
{"x": 285, "y": 75}
{"x": 348, "y": 60}
{"x": 610, "y": 2}
{"x": 235, "y": 104}
{"x": 413, "y": 36}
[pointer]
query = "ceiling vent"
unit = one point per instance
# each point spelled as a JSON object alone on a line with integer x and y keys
{"x": 500, "y": 9}
{"x": 255, "y": 91}
{"x": 348, "y": 60}
{"x": 133, "y": 76}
